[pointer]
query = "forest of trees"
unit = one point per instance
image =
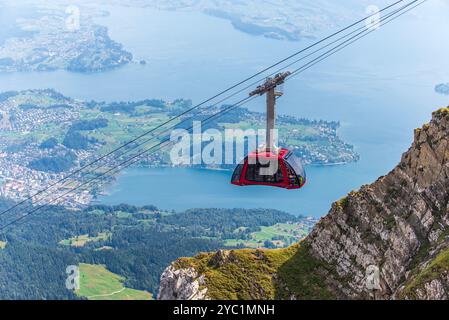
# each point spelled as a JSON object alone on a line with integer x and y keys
{"x": 8, "y": 94}
{"x": 144, "y": 243}
{"x": 56, "y": 164}
{"x": 28, "y": 106}
{"x": 87, "y": 125}
{"x": 50, "y": 143}
{"x": 130, "y": 107}
{"x": 222, "y": 223}
{"x": 75, "y": 140}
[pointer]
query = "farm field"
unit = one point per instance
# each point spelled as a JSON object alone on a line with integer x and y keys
{"x": 280, "y": 235}
{"x": 82, "y": 240}
{"x": 98, "y": 283}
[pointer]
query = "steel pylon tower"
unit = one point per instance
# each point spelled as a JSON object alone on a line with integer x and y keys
{"x": 269, "y": 87}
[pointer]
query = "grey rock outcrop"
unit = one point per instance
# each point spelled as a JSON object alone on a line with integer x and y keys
{"x": 395, "y": 223}
{"x": 181, "y": 284}
{"x": 398, "y": 225}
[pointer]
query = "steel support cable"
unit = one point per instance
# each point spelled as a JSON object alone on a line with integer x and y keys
{"x": 72, "y": 174}
{"x": 355, "y": 38}
{"x": 297, "y": 71}
{"x": 120, "y": 166}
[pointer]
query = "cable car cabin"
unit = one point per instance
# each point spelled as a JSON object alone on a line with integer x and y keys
{"x": 254, "y": 170}
{"x": 264, "y": 167}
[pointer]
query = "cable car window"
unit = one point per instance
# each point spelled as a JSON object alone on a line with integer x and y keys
{"x": 291, "y": 175}
{"x": 253, "y": 174}
{"x": 295, "y": 164}
{"x": 237, "y": 173}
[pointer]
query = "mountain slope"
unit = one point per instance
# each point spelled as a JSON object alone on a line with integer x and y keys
{"x": 399, "y": 224}
{"x": 284, "y": 20}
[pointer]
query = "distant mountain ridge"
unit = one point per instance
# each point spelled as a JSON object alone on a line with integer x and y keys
{"x": 283, "y": 20}
{"x": 121, "y": 250}
{"x": 398, "y": 225}
{"x": 442, "y": 88}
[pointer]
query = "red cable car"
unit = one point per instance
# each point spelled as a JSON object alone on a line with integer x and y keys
{"x": 270, "y": 166}
{"x": 290, "y": 173}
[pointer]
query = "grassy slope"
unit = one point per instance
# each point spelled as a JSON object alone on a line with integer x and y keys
{"x": 434, "y": 270}
{"x": 281, "y": 229}
{"x": 291, "y": 232}
{"x": 261, "y": 274}
{"x": 97, "y": 283}
{"x": 122, "y": 127}
{"x": 279, "y": 273}
{"x": 80, "y": 241}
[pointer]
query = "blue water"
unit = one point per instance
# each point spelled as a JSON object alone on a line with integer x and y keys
{"x": 380, "y": 89}
{"x": 181, "y": 189}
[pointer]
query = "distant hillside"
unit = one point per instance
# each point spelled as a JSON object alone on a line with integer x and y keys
{"x": 122, "y": 250}
{"x": 45, "y": 134}
{"x": 398, "y": 226}
{"x": 290, "y": 20}
{"x": 41, "y": 38}
{"x": 442, "y": 88}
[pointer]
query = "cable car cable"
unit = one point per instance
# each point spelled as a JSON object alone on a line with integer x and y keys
{"x": 297, "y": 71}
{"x": 126, "y": 152}
{"x": 167, "y": 140}
{"x": 196, "y": 106}
{"x": 125, "y": 164}
{"x": 352, "y": 40}
{"x": 345, "y": 36}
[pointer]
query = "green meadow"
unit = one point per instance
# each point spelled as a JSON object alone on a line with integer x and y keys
{"x": 98, "y": 283}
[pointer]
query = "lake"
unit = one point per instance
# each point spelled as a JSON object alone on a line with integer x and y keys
{"x": 381, "y": 88}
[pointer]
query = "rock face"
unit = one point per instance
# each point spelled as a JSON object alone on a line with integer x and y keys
{"x": 388, "y": 240}
{"x": 186, "y": 283}
{"x": 397, "y": 223}
{"x": 181, "y": 284}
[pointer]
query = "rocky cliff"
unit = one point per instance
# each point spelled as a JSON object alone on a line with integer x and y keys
{"x": 388, "y": 240}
